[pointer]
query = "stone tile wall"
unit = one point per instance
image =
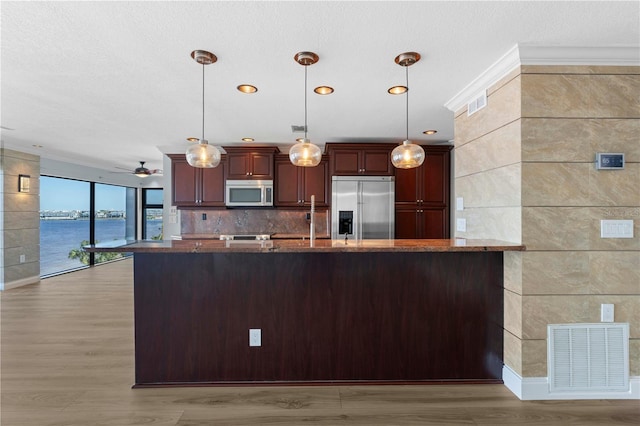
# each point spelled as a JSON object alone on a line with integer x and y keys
{"x": 541, "y": 165}
{"x": 19, "y": 215}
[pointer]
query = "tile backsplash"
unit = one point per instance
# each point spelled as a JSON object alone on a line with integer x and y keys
{"x": 252, "y": 221}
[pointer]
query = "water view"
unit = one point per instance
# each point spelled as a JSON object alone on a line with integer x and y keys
{"x": 59, "y": 237}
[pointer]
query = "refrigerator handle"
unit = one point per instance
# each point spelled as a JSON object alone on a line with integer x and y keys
{"x": 360, "y": 230}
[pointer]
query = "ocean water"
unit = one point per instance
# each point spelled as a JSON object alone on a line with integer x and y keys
{"x": 59, "y": 237}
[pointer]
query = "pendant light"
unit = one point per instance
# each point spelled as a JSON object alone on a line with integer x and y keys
{"x": 203, "y": 155}
{"x": 304, "y": 153}
{"x": 408, "y": 155}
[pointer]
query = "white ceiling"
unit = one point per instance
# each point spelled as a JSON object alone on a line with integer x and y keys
{"x": 107, "y": 84}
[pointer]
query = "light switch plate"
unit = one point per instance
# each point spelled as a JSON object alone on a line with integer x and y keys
{"x": 616, "y": 228}
{"x": 459, "y": 204}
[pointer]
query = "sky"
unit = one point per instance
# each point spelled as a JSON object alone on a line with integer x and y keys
{"x": 68, "y": 194}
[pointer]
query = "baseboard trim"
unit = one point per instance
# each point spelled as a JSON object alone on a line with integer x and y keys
{"x": 537, "y": 388}
{"x": 19, "y": 283}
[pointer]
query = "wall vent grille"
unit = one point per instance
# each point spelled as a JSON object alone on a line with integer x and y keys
{"x": 588, "y": 357}
{"x": 477, "y": 104}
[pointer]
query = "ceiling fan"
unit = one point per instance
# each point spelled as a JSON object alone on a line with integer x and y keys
{"x": 143, "y": 172}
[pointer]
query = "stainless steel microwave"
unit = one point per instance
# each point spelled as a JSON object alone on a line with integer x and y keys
{"x": 249, "y": 193}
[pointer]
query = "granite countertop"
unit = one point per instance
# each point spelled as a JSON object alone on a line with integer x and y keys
{"x": 303, "y": 246}
{"x": 276, "y": 236}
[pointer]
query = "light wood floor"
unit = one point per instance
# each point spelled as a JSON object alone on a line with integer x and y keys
{"x": 67, "y": 359}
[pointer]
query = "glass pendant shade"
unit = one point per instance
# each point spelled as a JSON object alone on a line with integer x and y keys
{"x": 305, "y": 154}
{"x": 407, "y": 156}
{"x": 203, "y": 155}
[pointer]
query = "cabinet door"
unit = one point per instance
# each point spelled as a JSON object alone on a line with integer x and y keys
{"x": 434, "y": 223}
{"x": 406, "y": 186}
{"x": 345, "y": 162}
{"x": 238, "y": 166}
{"x": 261, "y": 166}
{"x": 212, "y": 189}
{"x": 315, "y": 182}
{"x": 435, "y": 178}
{"x": 376, "y": 162}
{"x": 184, "y": 179}
{"x": 287, "y": 184}
{"x": 406, "y": 224}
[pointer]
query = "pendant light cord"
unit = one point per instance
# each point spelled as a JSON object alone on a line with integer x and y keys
{"x": 202, "y": 140}
{"x": 305, "y": 102}
{"x": 407, "y": 78}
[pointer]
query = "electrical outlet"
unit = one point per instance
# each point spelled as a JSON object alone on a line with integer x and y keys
{"x": 255, "y": 337}
{"x": 23, "y": 258}
{"x": 461, "y": 225}
{"x": 606, "y": 312}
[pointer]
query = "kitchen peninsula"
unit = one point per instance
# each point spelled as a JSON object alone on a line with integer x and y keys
{"x": 328, "y": 311}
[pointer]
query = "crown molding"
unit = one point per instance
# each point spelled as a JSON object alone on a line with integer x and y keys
{"x": 544, "y": 55}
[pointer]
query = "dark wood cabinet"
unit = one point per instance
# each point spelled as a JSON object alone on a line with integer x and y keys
{"x": 360, "y": 159}
{"x": 412, "y": 223}
{"x": 422, "y": 196}
{"x": 250, "y": 163}
{"x": 294, "y": 185}
{"x": 195, "y": 187}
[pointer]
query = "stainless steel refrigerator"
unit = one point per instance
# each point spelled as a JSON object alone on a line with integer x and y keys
{"x": 362, "y": 207}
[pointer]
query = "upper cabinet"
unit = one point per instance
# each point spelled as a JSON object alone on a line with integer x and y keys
{"x": 360, "y": 159}
{"x": 196, "y": 187}
{"x": 427, "y": 184}
{"x": 250, "y": 163}
{"x": 294, "y": 185}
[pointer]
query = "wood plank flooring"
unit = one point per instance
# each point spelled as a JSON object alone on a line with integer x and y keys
{"x": 67, "y": 359}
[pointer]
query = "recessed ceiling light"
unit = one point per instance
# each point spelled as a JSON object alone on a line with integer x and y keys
{"x": 247, "y": 88}
{"x": 430, "y": 132}
{"x": 397, "y": 90}
{"x": 193, "y": 139}
{"x": 248, "y": 139}
{"x": 323, "y": 90}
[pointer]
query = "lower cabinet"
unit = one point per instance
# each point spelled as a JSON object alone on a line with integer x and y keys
{"x": 422, "y": 222}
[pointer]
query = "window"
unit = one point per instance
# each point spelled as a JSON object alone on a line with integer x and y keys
{"x": 152, "y": 202}
{"x": 114, "y": 216}
{"x": 64, "y": 224}
{"x": 74, "y": 213}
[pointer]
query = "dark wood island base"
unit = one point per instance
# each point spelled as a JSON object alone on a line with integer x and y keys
{"x": 326, "y": 316}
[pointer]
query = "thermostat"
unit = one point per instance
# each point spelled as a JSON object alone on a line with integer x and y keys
{"x": 609, "y": 161}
